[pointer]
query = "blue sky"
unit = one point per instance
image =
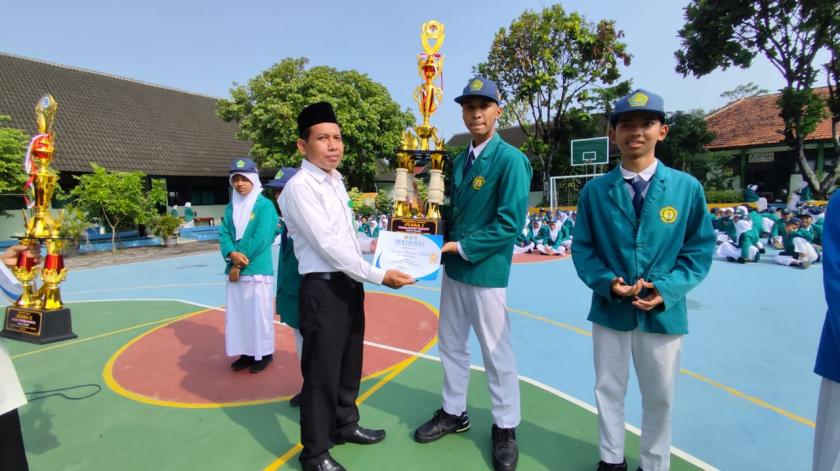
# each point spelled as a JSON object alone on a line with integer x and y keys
{"x": 205, "y": 46}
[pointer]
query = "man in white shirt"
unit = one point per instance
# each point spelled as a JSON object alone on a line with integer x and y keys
{"x": 12, "y": 453}
{"x": 319, "y": 215}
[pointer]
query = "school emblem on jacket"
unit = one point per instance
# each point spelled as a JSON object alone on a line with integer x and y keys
{"x": 252, "y": 216}
{"x": 478, "y": 182}
{"x": 668, "y": 214}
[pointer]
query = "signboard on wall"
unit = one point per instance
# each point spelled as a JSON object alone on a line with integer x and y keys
{"x": 761, "y": 157}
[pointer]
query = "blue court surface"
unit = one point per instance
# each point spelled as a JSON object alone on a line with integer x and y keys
{"x": 746, "y": 398}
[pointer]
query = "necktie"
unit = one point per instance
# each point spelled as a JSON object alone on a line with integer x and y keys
{"x": 638, "y": 199}
{"x": 470, "y": 160}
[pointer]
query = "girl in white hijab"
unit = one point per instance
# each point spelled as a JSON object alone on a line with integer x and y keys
{"x": 245, "y": 237}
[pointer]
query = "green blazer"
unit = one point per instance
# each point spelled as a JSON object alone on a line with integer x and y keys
{"x": 562, "y": 236}
{"x": 486, "y": 212}
{"x": 748, "y": 239}
{"x": 671, "y": 245}
{"x": 288, "y": 283}
{"x": 538, "y": 237}
{"x": 255, "y": 242}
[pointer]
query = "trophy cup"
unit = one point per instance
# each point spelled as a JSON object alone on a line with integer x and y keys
{"x": 39, "y": 316}
{"x": 411, "y": 215}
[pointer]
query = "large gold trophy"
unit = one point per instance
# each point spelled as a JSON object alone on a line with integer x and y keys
{"x": 411, "y": 215}
{"x": 39, "y": 316}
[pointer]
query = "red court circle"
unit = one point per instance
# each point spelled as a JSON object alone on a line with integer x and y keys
{"x": 184, "y": 363}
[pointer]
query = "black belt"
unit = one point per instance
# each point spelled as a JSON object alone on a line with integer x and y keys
{"x": 327, "y": 276}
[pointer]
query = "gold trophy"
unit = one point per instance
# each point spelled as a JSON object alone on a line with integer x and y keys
{"x": 411, "y": 215}
{"x": 39, "y": 316}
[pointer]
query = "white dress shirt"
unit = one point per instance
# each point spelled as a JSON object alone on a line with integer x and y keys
{"x": 645, "y": 175}
{"x": 317, "y": 212}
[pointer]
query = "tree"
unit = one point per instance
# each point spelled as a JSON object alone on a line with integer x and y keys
{"x": 13, "y": 144}
{"x": 117, "y": 198}
{"x": 719, "y": 34}
{"x": 384, "y": 203}
{"x": 748, "y": 89}
{"x": 832, "y": 68}
{"x": 267, "y": 108}
{"x": 564, "y": 68}
{"x": 688, "y": 134}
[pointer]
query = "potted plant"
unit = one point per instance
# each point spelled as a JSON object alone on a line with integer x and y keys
{"x": 74, "y": 228}
{"x": 166, "y": 227}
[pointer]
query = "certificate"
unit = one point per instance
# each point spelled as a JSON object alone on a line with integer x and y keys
{"x": 417, "y": 255}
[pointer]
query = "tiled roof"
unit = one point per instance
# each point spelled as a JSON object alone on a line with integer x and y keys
{"x": 119, "y": 123}
{"x": 755, "y": 121}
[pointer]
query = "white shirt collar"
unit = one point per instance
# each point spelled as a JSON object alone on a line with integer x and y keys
{"x": 645, "y": 174}
{"x": 319, "y": 174}
{"x": 476, "y": 150}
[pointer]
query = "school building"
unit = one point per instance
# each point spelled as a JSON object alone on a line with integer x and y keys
{"x": 751, "y": 130}
{"x": 123, "y": 125}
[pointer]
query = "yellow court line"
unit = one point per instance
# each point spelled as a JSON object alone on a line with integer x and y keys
{"x": 697, "y": 376}
{"x": 398, "y": 368}
{"x": 106, "y": 334}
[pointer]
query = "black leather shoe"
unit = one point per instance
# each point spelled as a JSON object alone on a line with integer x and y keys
{"x": 244, "y": 361}
{"x": 295, "y": 400}
{"x": 328, "y": 464}
{"x": 612, "y": 466}
{"x": 441, "y": 424}
{"x": 260, "y": 364}
{"x": 505, "y": 451}
{"x": 359, "y": 435}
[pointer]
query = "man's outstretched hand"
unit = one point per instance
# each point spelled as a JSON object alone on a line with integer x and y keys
{"x": 397, "y": 279}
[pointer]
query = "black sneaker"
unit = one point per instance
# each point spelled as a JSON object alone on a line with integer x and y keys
{"x": 441, "y": 424}
{"x": 612, "y": 467}
{"x": 730, "y": 259}
{"x": 243, "y": 362}
{"x": 505, "y": 451}
{"x": 260, "y": 364}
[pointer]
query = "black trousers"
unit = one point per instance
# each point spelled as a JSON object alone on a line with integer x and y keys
{"x": 332, "y": 323}
{"x": 12, "y": 454}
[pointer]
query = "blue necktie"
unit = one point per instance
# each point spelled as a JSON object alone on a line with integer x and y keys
{"x": 470, "y": 160}
{"x": 638, "y": 199}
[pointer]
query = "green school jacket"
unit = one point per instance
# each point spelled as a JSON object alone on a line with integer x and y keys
{"x": 748, "y": 239}
{"x": 671, "y": 245}
{"x": 288, "y": 283}
{"x": 562, "y": 236}
{"x": 486, "y": 212}
{"x": 539, "y": 236}
{"x": 787, "y": 238}
{"x": 255, "y": 242}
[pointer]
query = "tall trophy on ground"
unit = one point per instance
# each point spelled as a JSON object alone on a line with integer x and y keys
{"x": 422, "y": 144}
{"x": 39, "y": 315}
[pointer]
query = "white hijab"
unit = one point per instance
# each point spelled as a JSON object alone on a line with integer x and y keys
{"x": 742, "y": 226}
{"x": 243, "y": 205}
{"x": 554, "y": 232}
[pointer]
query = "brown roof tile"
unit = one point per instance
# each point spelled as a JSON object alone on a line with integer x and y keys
{"x": 755, "y": 121}
{"x": 119, "y": 123}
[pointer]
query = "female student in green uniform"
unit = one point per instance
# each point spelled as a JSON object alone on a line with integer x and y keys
{"x": 245, "y": 238}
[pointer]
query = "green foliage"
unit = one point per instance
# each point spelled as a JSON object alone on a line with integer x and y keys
{"x": 723, "y": 196}
{"x": 74, "y": 226}
{"x": 688, "y": 134}
{"x": 13, "y": 144}
{"x": 748, "y": 89}
{"x": 117, "y": 199}
{"x": 267, "y": 108}
{"x": 719, "y": 34}
{"x": 715, "y": 170}
{"x": 384, "y": 203}
{"x": 356, "y": 198}
{"x": 422, "y": 190}
{"x": 165, "y": 226}
{"x": 562, "y": 68}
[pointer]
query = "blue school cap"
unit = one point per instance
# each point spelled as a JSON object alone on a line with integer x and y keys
{"x": 638, "y": 100}
{"x": 243, "y": 165}
{"x": 283, "y": 176}
{"x": 481, "y": 87}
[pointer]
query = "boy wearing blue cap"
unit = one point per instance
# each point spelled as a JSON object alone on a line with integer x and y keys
{"x": 245, "y": 238}
{"x": 488, "y": 204}
{"x": 288, "y": 278}
{"x": 827, "y": 430}
{"x": 643, "y": 239}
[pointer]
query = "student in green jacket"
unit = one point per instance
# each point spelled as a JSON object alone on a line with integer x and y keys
{"x": 537, "y": 232}
{"x": 189, "y": 215}
{"x": 776, "y": 234}
{"x": 489, "y": 196}
{"x": 555, "y": 238}
{"x": 288, "y": 277}
{"x": 245, "y": 238}
{"x": 643, "y": 239}
{"x": 798, "y": 251}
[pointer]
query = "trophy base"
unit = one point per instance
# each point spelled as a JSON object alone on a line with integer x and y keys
{"x": 37, "y": 325}
{"x": 416, "y": 225}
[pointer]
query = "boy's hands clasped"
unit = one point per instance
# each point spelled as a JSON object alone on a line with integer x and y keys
{"x": 650, "y": 300}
